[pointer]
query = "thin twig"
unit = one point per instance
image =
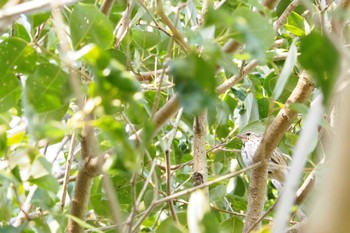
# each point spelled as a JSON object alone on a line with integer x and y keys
{"x": 176, "y": 34}
{"x": 67, "y": 170}
{"x": 168, "y": 165}
{"x": 283, "y": 18}
{"x": 219, "y": 179}
{"x": 123, "y": 24}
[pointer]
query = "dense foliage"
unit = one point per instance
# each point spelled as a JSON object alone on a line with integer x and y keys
{"x": 80, "y": 78}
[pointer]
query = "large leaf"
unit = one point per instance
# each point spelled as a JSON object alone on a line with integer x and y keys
{"x": 48, "y": 182}
{"x": 194, "y": 82}
{"x": 254, "y": 30}
{"x": 16, "y": 55}
{"x": 145, "y": 39}
{"x": 88, "y": 25}
{"x": 321, "y": 58}
{"x": 231, "y": 225}
{"x": 48, "y": 88}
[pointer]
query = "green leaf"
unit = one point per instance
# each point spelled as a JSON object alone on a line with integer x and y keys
{"x": 145, "y": 39}
{"x": 47, "y": 88}
{"x": 286, "y": 71}
{"x": 217, "y": 193}
{"x": 88, "y": 25}
{"x": 10, "y": 91}
{"x": 12, "y": 229}
{"x": 21, "y": 32}
{"x": 240, "y": 93}
{"x": 40, "y": 167}
{"x": 82, "y": 223}
{"x": 48, "y": 182}
{"x": 168, "y": 224}
{"x": 263, "y": 105}
{"x": 251, "y": 112}
{"x": 113, "y": 81}
{"x": 238, "y": 203}
{"x": 210, "y": 223}
{"x": 321, "y": 58}
{"x": 295, "y": 24}
{"x": 39, "y": 18}
{"x": 254, "y": 30}
{"x": 194, "y": 82}
{"x": 16, "y": 55}
{"x": 231, "y": 225}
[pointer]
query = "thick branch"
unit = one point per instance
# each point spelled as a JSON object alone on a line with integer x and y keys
{"x": 268, "y": 144}
{"x": 176, "y": 34}
{"x": 88, "y": 170}
{"x": 200, "y": 167}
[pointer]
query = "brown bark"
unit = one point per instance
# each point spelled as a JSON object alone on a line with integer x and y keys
{"x": 90, "y": 167}
{"x": 199, "y": 151}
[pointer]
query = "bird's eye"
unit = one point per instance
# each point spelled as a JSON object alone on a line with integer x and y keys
{"x": 248, "y": 134}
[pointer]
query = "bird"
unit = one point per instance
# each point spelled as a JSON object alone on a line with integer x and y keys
{"x": 277, "y": 174}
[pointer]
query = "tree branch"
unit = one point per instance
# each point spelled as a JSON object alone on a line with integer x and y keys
{"x": 89, "y": 168}
{"x": 283, "y": 18}
{"x": 200, "y": 166}
{"x": 176, "y": 34}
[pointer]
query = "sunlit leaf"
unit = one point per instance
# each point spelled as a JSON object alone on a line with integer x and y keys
{"x": 16, "y": 55}
{"x": 295, "y": 24}
{"x": 48, "y": 182}
{"x": 88, "y": 25}
{"x": 48, "y": 88}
